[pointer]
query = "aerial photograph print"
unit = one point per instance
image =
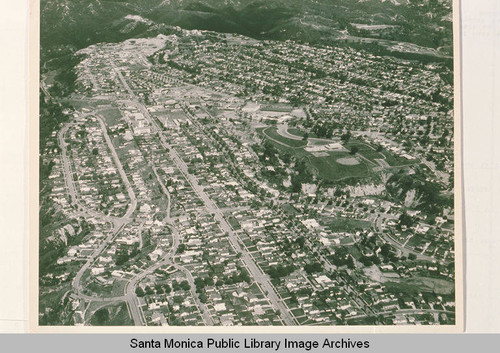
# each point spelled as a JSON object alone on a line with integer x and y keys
{"x": 247, "y": 163}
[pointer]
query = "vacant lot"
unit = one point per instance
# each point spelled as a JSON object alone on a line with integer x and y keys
{"x": 277, "y": 107}
{"x": 111, "y": 115}
{"x": 347, "y": 224}
{"x": 417, "y": 285}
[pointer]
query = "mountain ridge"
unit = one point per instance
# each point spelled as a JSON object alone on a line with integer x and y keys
{"x": 376, "y": 24}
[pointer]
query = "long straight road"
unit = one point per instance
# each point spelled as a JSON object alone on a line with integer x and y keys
{"x": 260, "y": 278}
{"x": 133, "y": 200}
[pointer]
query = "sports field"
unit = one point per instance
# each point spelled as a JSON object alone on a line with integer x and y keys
{"x": 330, "y": 165}
{"x": 369, "y": 152}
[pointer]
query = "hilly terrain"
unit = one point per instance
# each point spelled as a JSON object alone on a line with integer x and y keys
{"x": 396, "y": 27}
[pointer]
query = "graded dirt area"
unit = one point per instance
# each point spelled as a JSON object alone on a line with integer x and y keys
{"x": 320, "y": 154}
{"x": 347, "y": 161}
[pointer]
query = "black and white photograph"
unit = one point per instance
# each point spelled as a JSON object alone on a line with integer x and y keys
{"x": 248, "y": 163}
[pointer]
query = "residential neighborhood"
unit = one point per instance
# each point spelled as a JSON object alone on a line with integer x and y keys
{"x": 212, "y": 179}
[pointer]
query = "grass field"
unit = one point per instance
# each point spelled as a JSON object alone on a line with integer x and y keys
{"x": 417, "y": 285}
{"x": 112, "y": 116}
{"x": 86, "y": 103}
{"x": 394, "y": 160}
{"x": 296, "y": 132}
{"x": 300, "y": 133}
{"x": 348, "y": 224}
{"x": 234, "y": 223}
{"x": 277, "y": 107}
{"x": 365, "y": 150}
{"x": 369, "y": 152}
{"x": 272, "y": 133}
{"x": 436, "y": 285}
{"x": 326, "y": 167}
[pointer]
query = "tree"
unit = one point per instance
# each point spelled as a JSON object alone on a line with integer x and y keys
{"x": 346, "y": 137}
{"x": 354, "y": 150}
{"x": 140, "y": 292}
{"x": 159, "y": 289}
{"x": 350, "y": 262}
{"x": 296, "y": 183}
{"x": 406, "y": 220}
{"x": 313, "y": 267}
{"x": 300, "y": 241}
{"x": 181, "y": 248}
{"x": 185, "y": 285}
{"x": 101, "y": 316}
{"x": 279, "y": 271}
{"x": 122, "y": 257}
{"x": 385, "y": 249}
{"x": 203, "y": 298}
{"x": 199, "y": 283}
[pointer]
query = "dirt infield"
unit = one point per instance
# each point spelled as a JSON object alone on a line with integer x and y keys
{"x": 347, "y": 161}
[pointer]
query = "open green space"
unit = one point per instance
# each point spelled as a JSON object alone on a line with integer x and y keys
{"x": 318, "y": 142}
{"x": 112, "y": 315}
{"x": 299, "y": 133}
{"x": 365, "y": 149}
{"x": 326, "y": 167}
{"x": 272, "y": 133}
{"x": 277, "y": 107}
{"x": 416, "y": 285}
{"x": 77, "y": 103}
{"x": 289, "y": 209}
{"x": 112, "y": 116}
{"x": 395, "y": 161}
{"x": 415, "y": 240}
{"x": 177, "y": 114}
{"x": 234, "y": 223}
{"x": 296, "y": 132}
{"x": 436, "y": 285}
{"x": 347, "y": 224}
{"x": 298, "y": 312}
{"x": 369, "y": 151}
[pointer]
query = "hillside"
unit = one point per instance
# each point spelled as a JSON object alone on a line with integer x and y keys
{"x": 421, "y": 27}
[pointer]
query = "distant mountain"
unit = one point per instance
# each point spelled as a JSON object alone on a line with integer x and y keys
{"x": 425, "y": 24}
